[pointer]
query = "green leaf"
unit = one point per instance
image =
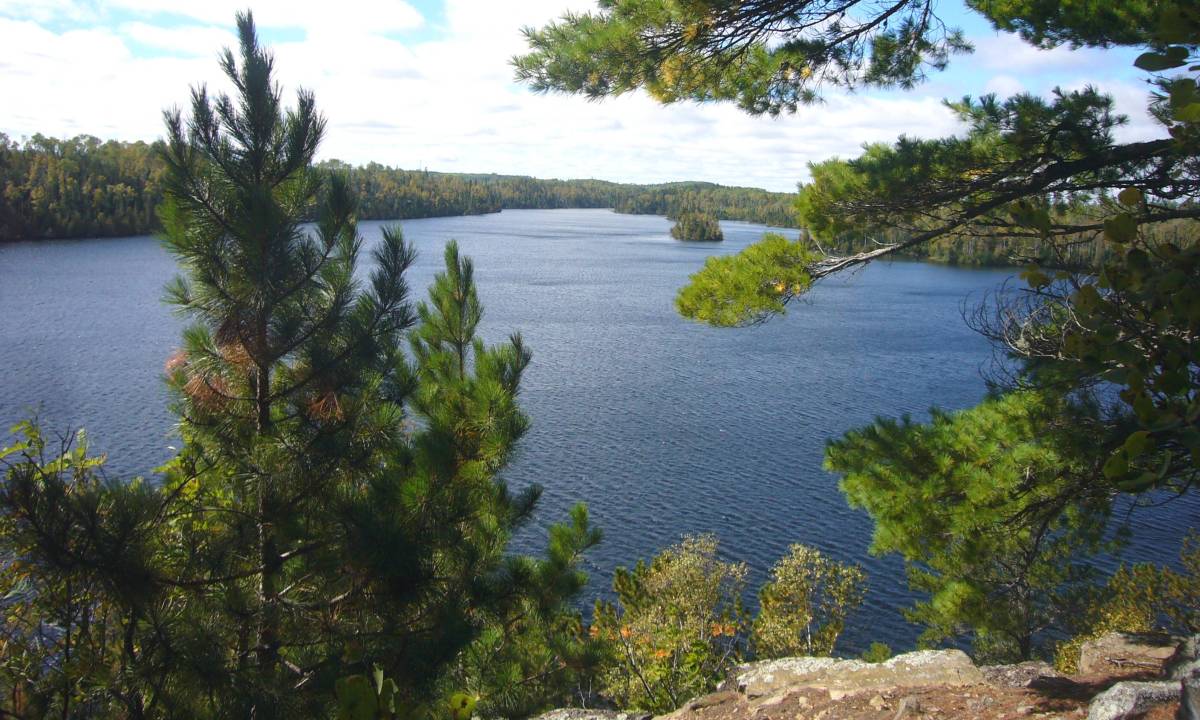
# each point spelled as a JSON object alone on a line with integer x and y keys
{"x": 1121, "y": 228}
{"x": 1087, "y": 298}
{"x": 1143, "y": 407}
{"x": 1138, "y": 483}
{"x": 356, "y": 699}
{"x": 461, "y": 706}
{"x": 1188, "y": 113}
{"x": 1136, "y": 444}
{"x": 1129, "y": 196}
{"x": 1117, "y": 465}
{"x": 387, "y": 696}
{"x": 1035, "y": 277}
{"x": 1156, "y": 62}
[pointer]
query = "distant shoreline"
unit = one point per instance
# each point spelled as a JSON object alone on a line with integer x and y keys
{"x": 84, "y": 187}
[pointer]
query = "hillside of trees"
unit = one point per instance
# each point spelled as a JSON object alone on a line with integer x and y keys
{"x": 982, "y": 247}
{"x": 727, "y": 203}
{"x": 86, "y": 187}
{"x": 79, "y": 187}
{"x": 333, "y": 537}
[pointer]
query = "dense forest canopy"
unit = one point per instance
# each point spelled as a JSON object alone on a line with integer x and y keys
{"x": 749, "y": 204}
{"x": 85, "y": 187}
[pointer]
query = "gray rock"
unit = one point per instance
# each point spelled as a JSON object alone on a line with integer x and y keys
{"x": 1127, "y": 700}
{"x": 909, "y": 706}
{"x": 1186, "y": 658}
{"x": 1125, "y": 653}
{"x": 586, "y": 714}
{"x": 1021, "y": 675}
{"x": 1190, "y": 690}
{"x": 926, "y": 667}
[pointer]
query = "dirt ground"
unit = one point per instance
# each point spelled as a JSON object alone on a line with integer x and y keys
{"x": 1046, "y": 698}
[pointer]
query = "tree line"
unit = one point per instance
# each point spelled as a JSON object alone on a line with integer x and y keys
{"x": 86, "y": 187}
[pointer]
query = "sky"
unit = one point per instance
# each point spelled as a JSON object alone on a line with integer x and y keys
{"x": 427, "y": 84}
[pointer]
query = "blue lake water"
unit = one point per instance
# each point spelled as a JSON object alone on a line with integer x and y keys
{"x": 661, "y": 425}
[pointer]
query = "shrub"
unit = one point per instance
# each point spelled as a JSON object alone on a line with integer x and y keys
{"x": 877, "y": 653}
{"x": 1140, "y": 598}
{"x": 676, "y": 629}
{"x": 803, "y": 608}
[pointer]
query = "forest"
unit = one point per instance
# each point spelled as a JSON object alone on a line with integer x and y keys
{"x": 84, "y": 187}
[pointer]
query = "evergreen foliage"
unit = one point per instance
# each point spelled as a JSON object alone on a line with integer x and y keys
{"x": 768, "y": 56}
{"x": 775, "y": 56}
{"x": 336, "y": 507}
{"x": 533, "y": 654}
{"x": 976, "y": 503}
{"x": 697, "y": 227}
{"x": 748, "y": 287}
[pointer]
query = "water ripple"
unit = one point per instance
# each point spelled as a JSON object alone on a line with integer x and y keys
{"x": 663, "y": 426}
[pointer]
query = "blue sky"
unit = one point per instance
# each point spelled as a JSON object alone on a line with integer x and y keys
{"x": 425, "y": 83}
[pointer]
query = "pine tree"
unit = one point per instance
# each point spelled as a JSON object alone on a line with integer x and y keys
{"x": 336, "y": 507}
{"x": 992, "y": 509}
{"x": 288, "y": 381}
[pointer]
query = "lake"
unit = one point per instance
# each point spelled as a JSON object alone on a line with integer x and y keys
{"x": 661, "y": 425}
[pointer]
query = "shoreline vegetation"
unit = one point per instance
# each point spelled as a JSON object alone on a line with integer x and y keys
{"x": 84, "y": 187}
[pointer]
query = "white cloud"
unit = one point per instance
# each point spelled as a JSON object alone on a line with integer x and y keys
{"x": 380, "y": 16}
{"x": 195, "y": 40}
{"x": 46, "y": 10}
{"x": 1008, "y": 53}
{"x": 1004, "y": 86}
{"x": 448, "y": 103}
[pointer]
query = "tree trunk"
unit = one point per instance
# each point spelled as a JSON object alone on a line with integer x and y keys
{"x": 268, "y": 625}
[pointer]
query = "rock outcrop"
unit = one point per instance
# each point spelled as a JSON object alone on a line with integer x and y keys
{"x": 588, "y": 714}
{"x": 1125, "y": 654}
{"x": 926, "y": 667}
{"x": 1021, "y": 675}
{"x": 1129, "y": 700}
{"x": 946, "y": 684}
{"x": 1190, "y": 695}
{"x": 1185, "y": 667}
